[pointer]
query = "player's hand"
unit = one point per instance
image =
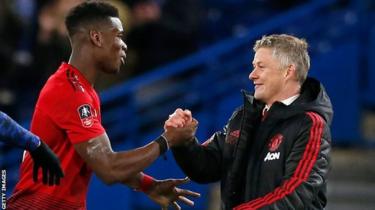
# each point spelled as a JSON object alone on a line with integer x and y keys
{"x": 166, "y": 193}
{"x": 178, "y": 119}
{"x": 44, "y": 158}
{"x": 180, "y": 135}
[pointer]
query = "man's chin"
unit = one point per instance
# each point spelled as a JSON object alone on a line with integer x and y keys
{"x": 117, "y": 71}
{"x": 258, "y": 96}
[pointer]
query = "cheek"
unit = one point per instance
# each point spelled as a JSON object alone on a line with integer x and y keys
{"x": 117, "y": 46}
{"x": 114, "y": 52}
{"x": 271, "y": 84}
{"x": 275, "y": 85}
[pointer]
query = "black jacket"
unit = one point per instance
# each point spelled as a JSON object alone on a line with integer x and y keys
{"x": 278, "y": 162}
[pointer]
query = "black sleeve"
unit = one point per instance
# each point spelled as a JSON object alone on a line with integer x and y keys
{"x": 202, "y": 163}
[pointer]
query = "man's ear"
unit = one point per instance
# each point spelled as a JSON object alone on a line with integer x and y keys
{"x": 96, "y": 38}
{"x": 291, "y": 71}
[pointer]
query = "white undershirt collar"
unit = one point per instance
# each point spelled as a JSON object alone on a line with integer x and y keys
{"x": 286, "y": 102}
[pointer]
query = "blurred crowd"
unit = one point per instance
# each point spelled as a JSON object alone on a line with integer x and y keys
{"x": 34, "y": 41}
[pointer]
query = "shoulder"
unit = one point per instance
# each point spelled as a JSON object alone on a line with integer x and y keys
{"x": 238, "y": 110}
{"x": 59, "y": 96}
{"x": 308, "y": 118}
{"x": 307, "y": 126}
{"x": 314, "y": 119}
{"x": 62, "y": 86}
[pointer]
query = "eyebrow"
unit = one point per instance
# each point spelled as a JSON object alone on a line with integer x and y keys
{"x": 121, "y": 33}
{"x": 117, "y": 31}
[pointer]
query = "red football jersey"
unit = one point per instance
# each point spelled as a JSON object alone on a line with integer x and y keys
{"x": 67, "y": 112}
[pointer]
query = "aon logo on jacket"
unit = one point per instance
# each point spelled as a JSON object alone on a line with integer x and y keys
{"x": 272, "y": 156}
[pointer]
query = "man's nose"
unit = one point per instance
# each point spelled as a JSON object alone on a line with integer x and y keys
{"x": 123, "y": 45}
{"x": 252, "y": 75}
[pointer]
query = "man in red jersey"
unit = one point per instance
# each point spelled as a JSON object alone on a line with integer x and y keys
{"x": 67, "y": 117}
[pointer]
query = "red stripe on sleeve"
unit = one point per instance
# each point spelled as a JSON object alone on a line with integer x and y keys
{"x": 302, "y": 171}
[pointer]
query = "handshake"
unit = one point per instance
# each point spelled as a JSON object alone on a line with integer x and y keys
{"x": 180, "y": 128}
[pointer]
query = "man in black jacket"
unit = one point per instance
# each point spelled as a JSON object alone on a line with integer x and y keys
{"x": 274, "y": 151}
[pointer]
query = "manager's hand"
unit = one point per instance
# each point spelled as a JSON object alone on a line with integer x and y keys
{"x": 177, "y": 136}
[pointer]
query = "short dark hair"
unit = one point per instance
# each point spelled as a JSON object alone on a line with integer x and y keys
{"x": 88, "y": 12}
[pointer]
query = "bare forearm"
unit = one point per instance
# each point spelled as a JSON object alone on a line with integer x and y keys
{"x": 117, "y": 167}
{"x": 127, "y": 165}
{"x": 134, "y": 181}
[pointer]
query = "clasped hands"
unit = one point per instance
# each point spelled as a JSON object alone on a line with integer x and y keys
{"x": 180, "y": 128}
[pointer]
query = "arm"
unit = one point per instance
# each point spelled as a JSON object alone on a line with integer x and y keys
{"x": 113, "y": 167}
{"x": 12, "y": 133}
{"x": 117, "y": 167}
{"x": 125, "y": 167}
{"x": 205, "y": 167}
{"x": 306, "y": 170}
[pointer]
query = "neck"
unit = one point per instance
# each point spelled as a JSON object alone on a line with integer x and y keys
{"x": 83, "y": 62}
{"x": 289, "y": 91}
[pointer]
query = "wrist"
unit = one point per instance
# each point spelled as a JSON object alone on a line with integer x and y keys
{"x": 33, "y": 144}
{"x": 163, "y": 143}
{"x": 146, "y": 183}
{"x": 187, "y": 143}
{"x": 166, "y": 141}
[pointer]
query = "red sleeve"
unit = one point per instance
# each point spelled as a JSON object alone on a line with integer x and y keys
{"x": 78, "y": 116}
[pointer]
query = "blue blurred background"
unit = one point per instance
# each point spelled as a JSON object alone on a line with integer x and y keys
{"x": 197, "y": 55}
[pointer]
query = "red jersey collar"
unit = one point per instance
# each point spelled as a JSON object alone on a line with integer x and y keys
{"x": 81, "y": 77}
